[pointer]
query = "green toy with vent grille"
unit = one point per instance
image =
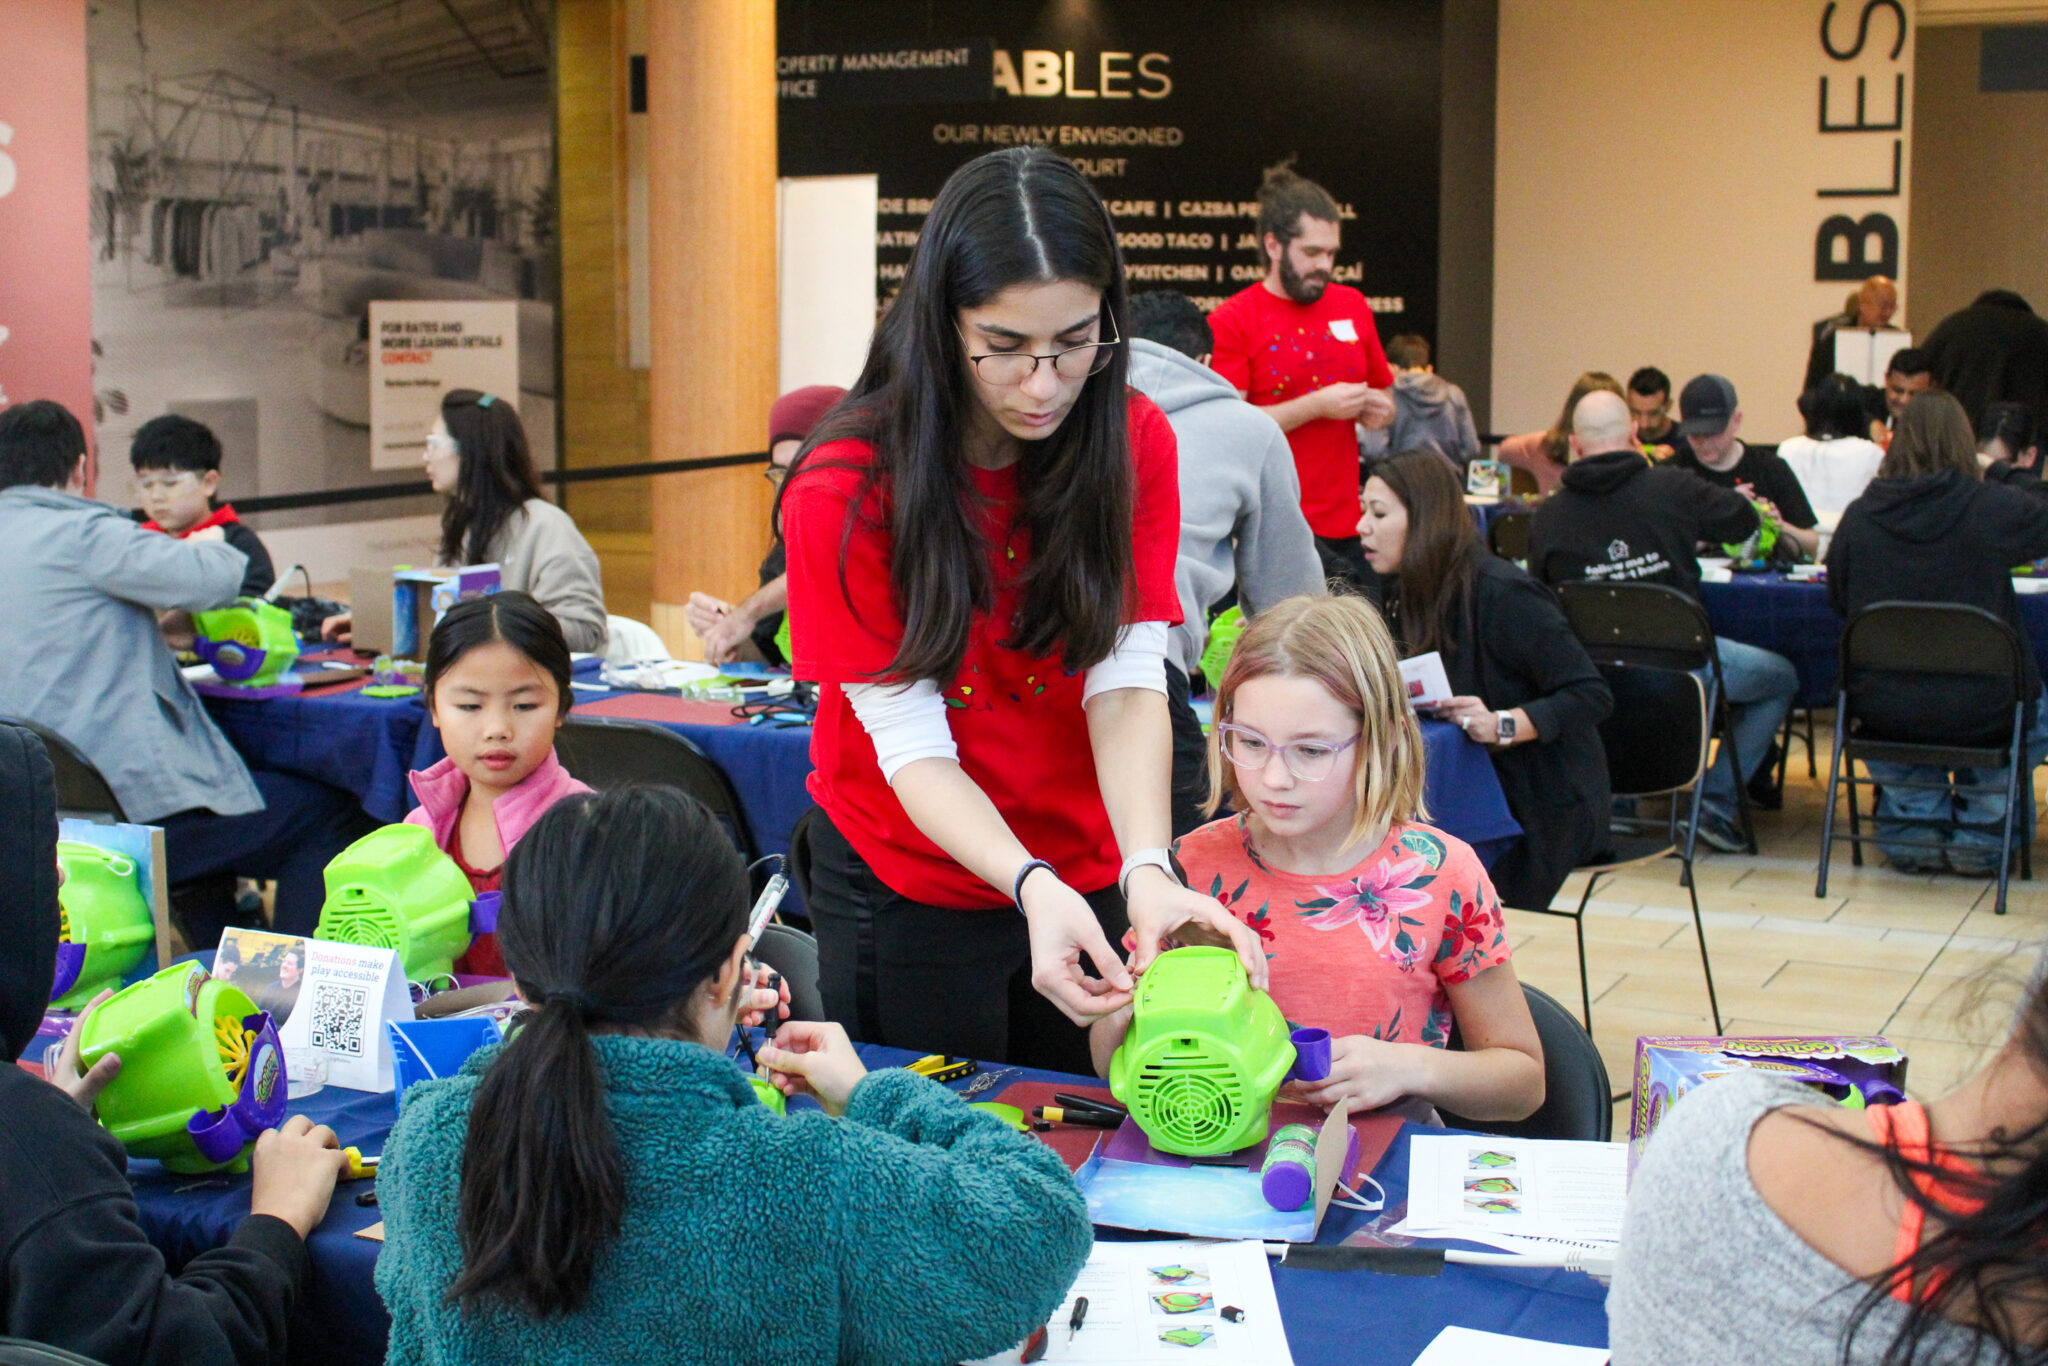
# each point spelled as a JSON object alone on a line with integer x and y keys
{"x": 1223, "y": 634}
{"x": 395, "y": 889}
{"x": 1204, "y": 1057}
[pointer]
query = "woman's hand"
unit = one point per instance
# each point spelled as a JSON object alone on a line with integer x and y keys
{"x": 296, "y": 1167}
{"x": 814, "y": 1057}
{"x": 762, "y": 997}
{"x": 1367, "y": 1072}
{"x": 1482, "y": 723}
{"x": 339, "y": 627}
{"x": 1063, "y": 927}
{"x": 84, "y": 1087}
{"x": 1159, "y": 906}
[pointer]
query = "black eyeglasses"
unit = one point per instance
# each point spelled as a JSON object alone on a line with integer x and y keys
{"x": 1006, "y": 368}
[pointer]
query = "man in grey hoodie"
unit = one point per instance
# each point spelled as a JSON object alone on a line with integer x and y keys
{"x": 1430, "y": 412}
{"x": 1241, "y": 524}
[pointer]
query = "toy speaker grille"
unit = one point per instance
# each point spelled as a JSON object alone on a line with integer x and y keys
{"x": 1192, "y": 1100}
{"x": 354, "y": 918}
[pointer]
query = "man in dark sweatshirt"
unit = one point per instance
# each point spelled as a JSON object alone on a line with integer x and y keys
{"x": 1619, "y": 519}
{"x": 1995, "y": 350}
{"x": 77, "y": 1271}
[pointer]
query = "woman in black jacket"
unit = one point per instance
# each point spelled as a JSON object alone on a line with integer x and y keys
{"x": 1929, "y": 529}
{"x": 1525, "y": 687}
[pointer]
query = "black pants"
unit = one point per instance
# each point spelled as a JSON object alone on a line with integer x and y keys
{"x": 302, "y": 826}
{"x": 898, "y": 972}
{"x": 1190, "y": 755}
{"x": 1344, "y": 563}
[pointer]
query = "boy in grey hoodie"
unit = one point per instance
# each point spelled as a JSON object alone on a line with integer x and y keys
{"x": 1430, "y": 412}
{"x": 1241, "y": 524}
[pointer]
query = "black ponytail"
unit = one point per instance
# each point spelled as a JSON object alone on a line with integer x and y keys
{"x": 618, "y": 906}
{"x": 494, "y": 475}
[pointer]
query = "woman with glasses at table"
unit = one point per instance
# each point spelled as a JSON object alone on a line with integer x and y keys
{"x": 478, "y": 459}
{"x": 1525, "y": 688}
{"x": 981, "y": 553}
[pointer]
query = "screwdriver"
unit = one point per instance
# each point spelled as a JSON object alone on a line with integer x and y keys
{"x": 1084, "y": 1119}
{"x": 1080, "y": 1313}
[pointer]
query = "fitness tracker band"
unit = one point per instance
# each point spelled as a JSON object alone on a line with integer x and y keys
{"x": 1017, "y": 887}
{"x": 1156, "y": 858}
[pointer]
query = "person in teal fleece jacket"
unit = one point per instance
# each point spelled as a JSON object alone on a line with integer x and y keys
{"x": 607, "y": 1187}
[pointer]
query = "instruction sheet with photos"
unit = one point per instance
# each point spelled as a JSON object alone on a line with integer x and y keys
{"x": 1150, "y": 1302}
{"x": 1524, "y": 1187}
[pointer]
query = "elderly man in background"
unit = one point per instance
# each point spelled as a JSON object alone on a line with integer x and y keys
{"x": 1873, "y": 305}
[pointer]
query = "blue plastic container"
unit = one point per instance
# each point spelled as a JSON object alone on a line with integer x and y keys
{"x": 422, "y": 1050}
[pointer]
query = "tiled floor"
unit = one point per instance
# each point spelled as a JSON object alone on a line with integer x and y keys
{"x": 1919, "y": 958}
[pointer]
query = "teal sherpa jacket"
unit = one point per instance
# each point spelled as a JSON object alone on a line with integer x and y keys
{"x": 912, "y": 1230}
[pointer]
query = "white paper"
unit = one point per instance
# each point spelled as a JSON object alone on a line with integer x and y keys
{"x": 1425, "y": 680}
{"x": 1865, "y": 355}
{"x": 1526, "y": 1187}
{"x": 345, "y": 995}
{"x": 1126, "y": 1321}
{"x": 1343, "y": 329}
{"x": 1470, "y": 1347}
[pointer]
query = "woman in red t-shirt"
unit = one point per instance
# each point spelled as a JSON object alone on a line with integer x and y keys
{"x": 981, "y": 544}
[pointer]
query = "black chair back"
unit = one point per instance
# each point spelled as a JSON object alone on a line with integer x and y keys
{"x": 1577, "y": 1101}
{"x": 1656, "y": 736}
{"x": 608, "y": 753}
{"x": 81, "y": 790}
{"x": 794, "y": 954}
{"x": 1931, "y": 673}
{"x": 1508, "y": 536}
{"x": 1638, "y": 623}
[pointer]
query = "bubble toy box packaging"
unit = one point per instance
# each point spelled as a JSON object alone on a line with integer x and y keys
{"x": 1853, "y": 1070}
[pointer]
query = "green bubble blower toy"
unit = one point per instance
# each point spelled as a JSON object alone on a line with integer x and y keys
{"x": 202, "y": 1072}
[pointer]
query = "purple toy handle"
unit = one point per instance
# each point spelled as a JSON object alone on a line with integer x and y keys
{"x": 1311, "y": 1055}
{"x": 231, "y": 660}
{"x": 70, "y": 962}
{"x": 220, "y": 1135}
{"x": 483, "y": 913}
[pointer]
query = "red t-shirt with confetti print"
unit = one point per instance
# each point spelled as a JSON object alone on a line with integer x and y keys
{"x": 1016, "y": 718}
{"x": 1275, "y": 349}
{"x": 1367, "y": 951}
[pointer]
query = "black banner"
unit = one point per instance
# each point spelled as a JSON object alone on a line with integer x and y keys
{"x": 1171, "y": 110}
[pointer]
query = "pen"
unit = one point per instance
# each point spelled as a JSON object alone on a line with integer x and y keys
{"x": 1080, "y": 1313}
{"x": 1085, "y": 1119}
{"x": 1084, "y": 1103}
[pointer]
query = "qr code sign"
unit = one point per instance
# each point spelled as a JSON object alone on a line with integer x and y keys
{"x": 338, "y": 1018}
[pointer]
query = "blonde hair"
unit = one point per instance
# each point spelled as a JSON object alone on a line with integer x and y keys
{"x": 1342, "y": 643}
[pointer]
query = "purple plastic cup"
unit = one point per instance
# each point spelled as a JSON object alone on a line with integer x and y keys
{"x": 1311, "y": 1055}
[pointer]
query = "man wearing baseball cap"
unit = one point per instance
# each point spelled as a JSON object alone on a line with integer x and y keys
{"x": 746, "y": 630}
{"x": 1618, "y": 518}
{"x": 1710, "y": 419}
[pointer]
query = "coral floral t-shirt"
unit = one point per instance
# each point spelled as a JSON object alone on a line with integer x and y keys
{"x": 1367, "y": 951}
{"x": 1016, "y": 719}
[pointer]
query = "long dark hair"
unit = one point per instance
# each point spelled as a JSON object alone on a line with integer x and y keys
{"x": 1834, "y": 408}
{"x": 493, "y": 479}
{"x": 516, "y": 618}
{"x": 618, "y": 906}
{"x": 1983, "y": 1269}
{"x": 1011, "y": 217}
{"x": 1441, "y": 556}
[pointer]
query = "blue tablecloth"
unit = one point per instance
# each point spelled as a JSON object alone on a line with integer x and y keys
{"x": 1332, "y": 1318}
{"x": 1793, "y": 619}
{"x": 365, "y": 745}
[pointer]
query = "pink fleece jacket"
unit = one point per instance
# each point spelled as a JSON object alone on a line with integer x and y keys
{"x": 442, "y": 788}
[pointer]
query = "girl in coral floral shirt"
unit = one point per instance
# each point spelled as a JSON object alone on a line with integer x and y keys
{"x": 1378, "y": 927}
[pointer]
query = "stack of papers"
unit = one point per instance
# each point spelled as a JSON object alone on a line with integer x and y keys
{"x": 1163, "y": 1301}
{"x": 1517, "y": 1194}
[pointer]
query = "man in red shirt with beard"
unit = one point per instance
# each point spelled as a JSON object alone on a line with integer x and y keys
{"x": 1308, "y": 352}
